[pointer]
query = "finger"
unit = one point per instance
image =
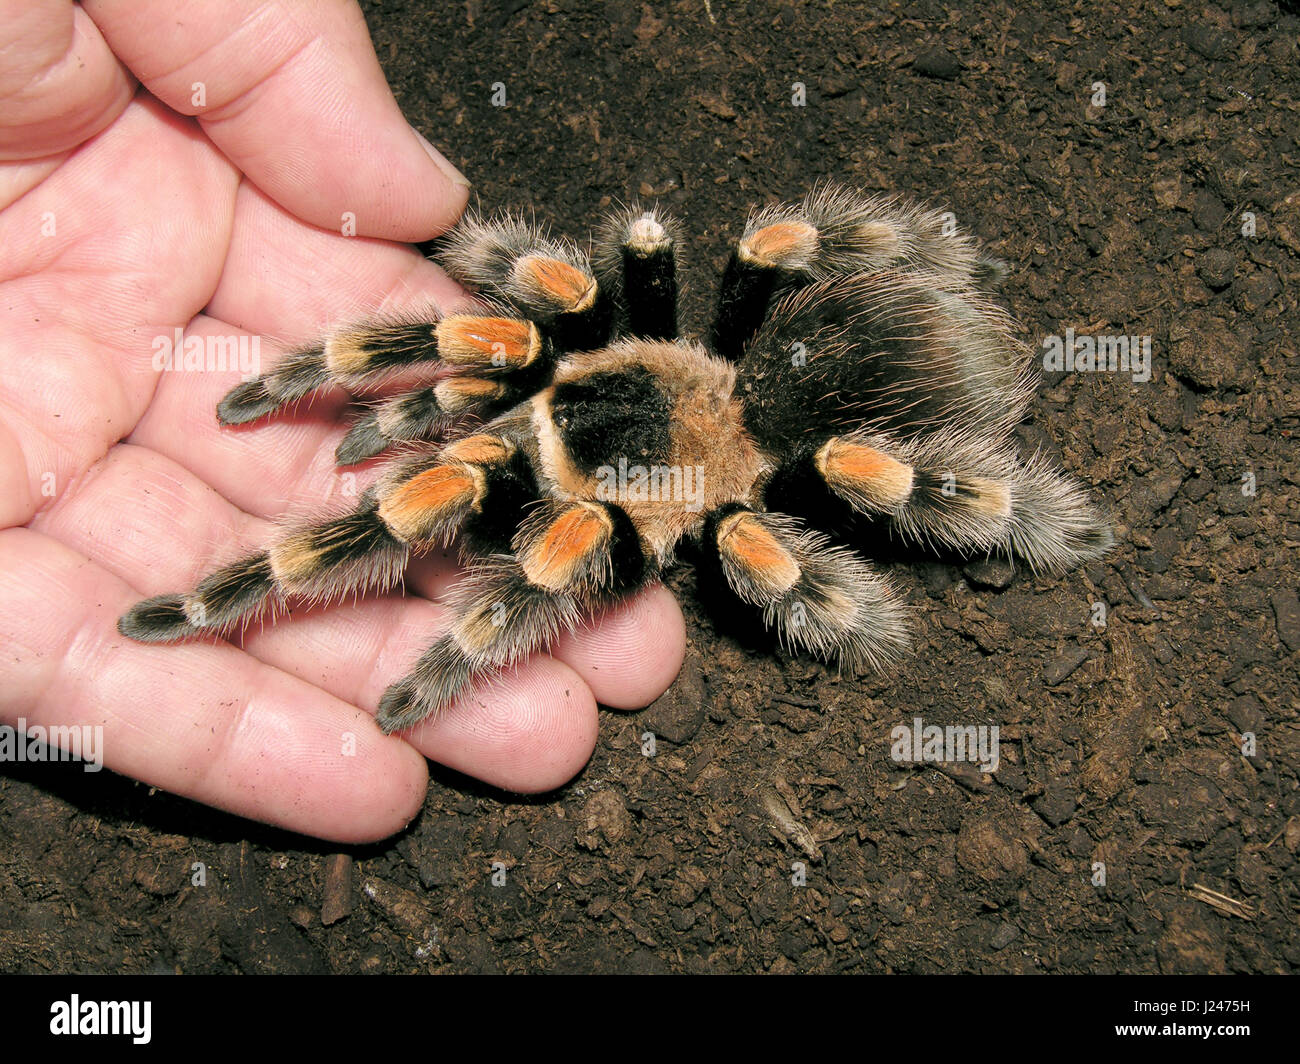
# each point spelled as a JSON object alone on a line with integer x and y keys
{"x": 201, "y": 365}
{"x": 631, "y": 653}
{"x": 292, "y": 282}
{"x": 292, "y": 454}
{"x": 294, "y": 96}
{"x": 152, "y": 525}
{"x": 206, "y": 722}
{"x": 284, "y": 283}
{"x": 529, "y": 729}
{"x": 59, "y": 82}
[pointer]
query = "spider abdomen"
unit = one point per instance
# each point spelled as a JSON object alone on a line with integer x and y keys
{"x": 891, "y": 352}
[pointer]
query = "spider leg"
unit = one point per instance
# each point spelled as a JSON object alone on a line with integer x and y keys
{"x": 355, "y": 552}
{"x": 417, "y": 415}
{"x": 636, "y": 261}
{"x": 834, "y": 232}
{"x": 750, "y": 281}
{"x": 363, "y": 354}
{"x": 547, "y": 281}
{"x": 568, "y": 557}
{"x": 496, "y": 363}
{"x": 816, "y": 596}
{"x": 960, "y": 491}
{"x": 477, "y": 486}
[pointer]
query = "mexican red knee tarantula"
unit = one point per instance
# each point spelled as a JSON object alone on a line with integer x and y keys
{"x": 854, "y": 363}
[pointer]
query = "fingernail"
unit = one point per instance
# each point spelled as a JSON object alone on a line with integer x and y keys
{"x": 440, "y": 160}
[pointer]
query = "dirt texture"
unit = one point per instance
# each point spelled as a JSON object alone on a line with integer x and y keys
{"x": 1130, "y": 827}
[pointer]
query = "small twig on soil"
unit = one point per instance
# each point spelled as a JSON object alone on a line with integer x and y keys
{"x": 1225, "y": 904}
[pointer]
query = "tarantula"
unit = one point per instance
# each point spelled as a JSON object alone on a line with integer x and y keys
{"x": 856, "y": 362}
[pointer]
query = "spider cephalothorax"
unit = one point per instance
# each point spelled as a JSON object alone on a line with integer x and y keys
{"x": 855, "y": 362}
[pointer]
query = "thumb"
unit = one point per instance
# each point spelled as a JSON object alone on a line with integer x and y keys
{"x": 59, "y": 82}
{"x": 294, "y": 96}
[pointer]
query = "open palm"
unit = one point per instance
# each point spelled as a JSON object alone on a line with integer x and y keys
{"x": 124, "y": 220}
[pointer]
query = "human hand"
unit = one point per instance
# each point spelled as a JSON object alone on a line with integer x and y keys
{"x": 123, "y": 219}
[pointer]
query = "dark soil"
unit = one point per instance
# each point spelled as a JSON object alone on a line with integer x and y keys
{"x": 1120, "y": 744}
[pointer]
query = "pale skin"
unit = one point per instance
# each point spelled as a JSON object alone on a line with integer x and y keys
{"x": 122, "y": 217}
